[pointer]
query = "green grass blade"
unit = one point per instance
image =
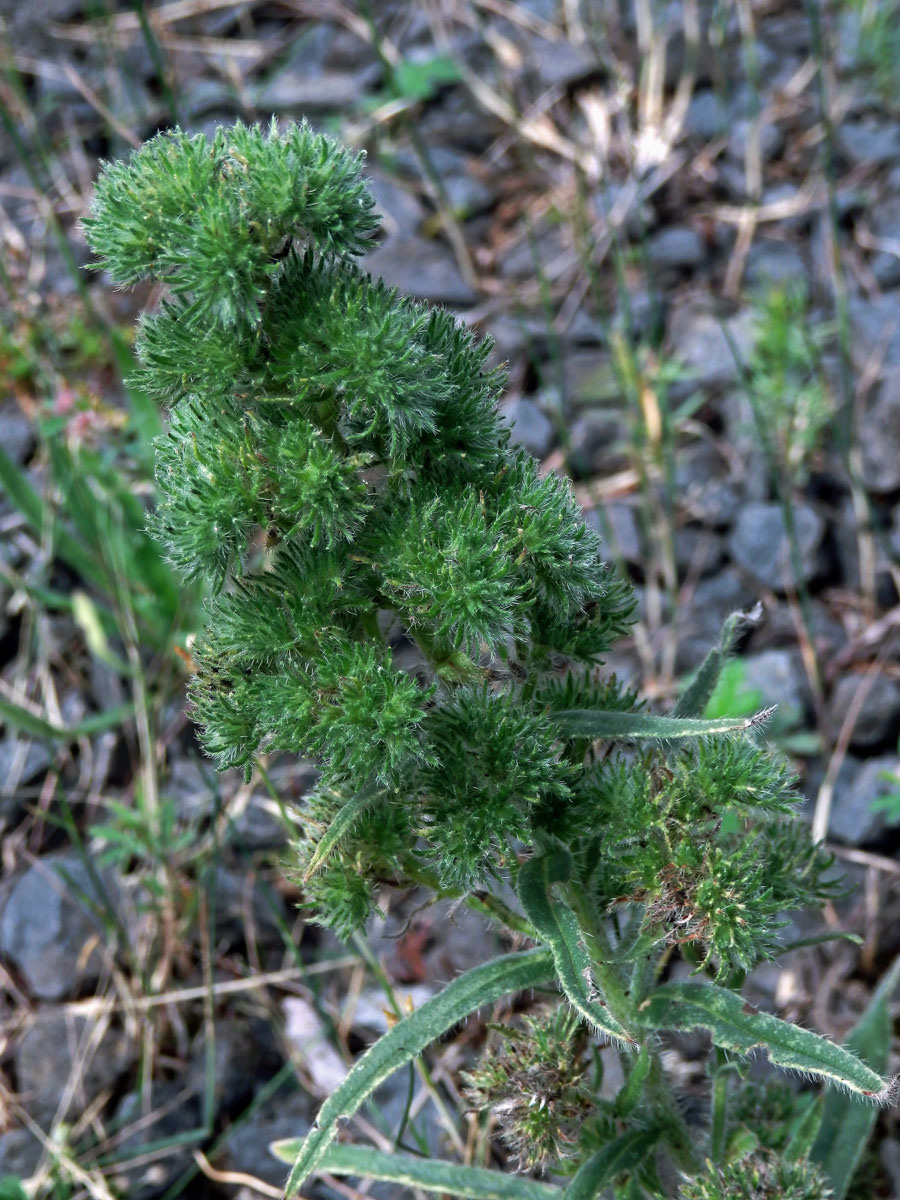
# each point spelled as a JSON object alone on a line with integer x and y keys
{"x": 624, "y": 1153}
{"x": 341, "y": 824}
{"x": 470, "y": 1183}
{"x": 557, "y": 925}
{"x": 16, "y": 716}
{"x": 846, "y": 1127}
{"x": 592, "y": 723}
{"x": 27, "y": 500}
{"x": 407, "y": 1040}
{"x": 735, "y": 1026}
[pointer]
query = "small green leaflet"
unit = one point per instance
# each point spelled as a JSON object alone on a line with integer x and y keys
{"x": 734, "y": 1025}
{"x": 557, "y": 925}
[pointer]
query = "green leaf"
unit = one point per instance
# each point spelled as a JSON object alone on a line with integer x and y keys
{"x": 407, "y": 1040}
{"x": 735, "y": 1026}
{"x": 629, "y": 1095}
{"x": 806, "y": 1127}
{"x": 697, "y": 695}
{"x": 471, "y": 1183}
{"x": 15, "y": 482}
{"x": 625, "y": 1153}
{"x": 846, "y": 1127}
{"x": 557, "y": 925}
{"x": 585, "y": 722}
{"x": 23, "y": 719}
{"x": 340, "y": 825}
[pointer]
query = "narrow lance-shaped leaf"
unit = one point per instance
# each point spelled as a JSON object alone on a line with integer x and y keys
{"x": 341, "y": 824}
{"x": 409, "y": 1037}
{"x": 846, "y": 1127}
{"x": 593, "y": 723}
{"x": 557, "y": 925}
{"x": 735, "y": 1026}
{"x": 697, "y": 695}
{"x": 428, "y": 1174}
{"x": 624, "y": 1153}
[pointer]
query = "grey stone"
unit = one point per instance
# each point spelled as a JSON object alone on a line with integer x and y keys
{"x": 288, "y": 1114}
{"x": 174, "y": 1110}
{"x": 20, "y": 1153}
{"x": 21, "y": 761}
{"x": 530, "y": 427}
{"x": 759, "y": 543}
{"x": 698, "y": 552}
{"x": 775, "y": 262}
{"x": 779, "y": 678}
{"x": 879, "y": 436}
{"x": 244, "y": 1056}
{"x": 705, "y": 491}
{"x": 301, "y": 89}
{"x": 699, "y": 622}
{"x": 400, "y": 209}
{"x": 244, "y": 910}
{"x": 421, "y": 268}
{"x": 858, "y": 786}
{"x": 771, "y": 140}
{"x": 875, "y": 322}
{"x": 707, "y": 115}
{"x": 61, "y": 1052}
{"x": 702, "y": 343}
{"x": 46, "y": 926}
{"x": 597, "y": 438}
{"x": 868, "y": 142}
{"x": 589, "y": 379}
{"x": 618, "y": 525}
{"x": 676, "y": 248}
{"x": 16, "y": 433}
{"x": 879, "y": 716}
{"x": 562, "y": 63}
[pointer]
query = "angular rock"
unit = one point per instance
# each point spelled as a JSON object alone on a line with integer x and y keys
{"x": 879, "y": 436}
{"x": 869, "y": 142}
{"x": 46, "y": 926}
{"x": 759, "y": 544}
{"x": 702, "y": 343}
{"x": 858, "y": 786}
{"x": 618, "y": 525}
{"x": 703, "y": 487}
{"x": 288, "y": 1114}
{"x": 421, "y": 268}
{"x": 677, "y": 248}
{"x": 531, "y": 428}
{"x": 20, "y": 1153}
{"x": 879, "y": 715}
{"x": 875, "y": 322}
{"x": 700, "y": 621}
{"x": 779, "y": 678}
{"x": 63, "y": 1053}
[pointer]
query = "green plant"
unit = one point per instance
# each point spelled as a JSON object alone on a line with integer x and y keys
{"x": 336, "y": 469}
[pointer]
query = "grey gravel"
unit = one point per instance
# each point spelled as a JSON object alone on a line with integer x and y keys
{"x": 46, "y": 926}
{"x": 63, "y": 1061}
{"x": 703, "y": 344}
{"x": 421, "y": 268}
{"x": 869, "y": 142}
{"x": 879, "y": 436}
{"x": 879, "y": 714}
{"x": 618, "y": 525}
{"x": 676, "y": 248}
{"x": 857, "y": 786}
{"x": 289, "y": 1114}
{"x": 531, "y": 428}
{"x": 779, "y": 677}
{"x": 759, "y": 544}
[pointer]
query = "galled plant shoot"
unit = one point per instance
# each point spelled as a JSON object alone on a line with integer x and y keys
{"x": 336, "y": 469}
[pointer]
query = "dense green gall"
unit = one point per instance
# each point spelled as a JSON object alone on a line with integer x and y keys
{"x": 398, "y": 594}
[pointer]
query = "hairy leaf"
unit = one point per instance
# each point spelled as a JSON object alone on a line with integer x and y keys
{"x": 409, "y": 1037}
